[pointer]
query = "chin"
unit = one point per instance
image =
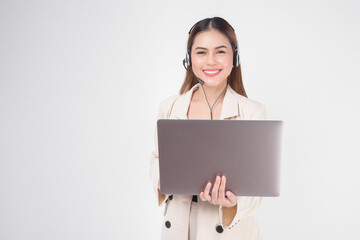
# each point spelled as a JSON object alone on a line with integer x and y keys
{"x": 214, "y": 82}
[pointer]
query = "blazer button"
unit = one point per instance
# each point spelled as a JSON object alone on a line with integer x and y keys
{"x": 171, "y": 197}
{"x": 219, "y": 229}
{"x": 167, "y": 224}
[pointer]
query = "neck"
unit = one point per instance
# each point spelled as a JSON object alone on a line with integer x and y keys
{"x": 213, "y": 93}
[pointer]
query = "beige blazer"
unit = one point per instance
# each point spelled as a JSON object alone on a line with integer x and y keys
{"x": 241, "y": 224}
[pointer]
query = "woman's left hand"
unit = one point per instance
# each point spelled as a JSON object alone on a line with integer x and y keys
{"x": 217, "y": 196}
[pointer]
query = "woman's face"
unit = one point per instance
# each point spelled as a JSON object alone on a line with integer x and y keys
{"x": 212, "y": 57}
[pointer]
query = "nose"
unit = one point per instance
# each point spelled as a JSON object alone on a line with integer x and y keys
{"x": 211, "y": 59}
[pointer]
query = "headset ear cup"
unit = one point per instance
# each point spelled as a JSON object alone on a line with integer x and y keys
{"x": 188, "y": 59}
{"x": 236, "y": 59}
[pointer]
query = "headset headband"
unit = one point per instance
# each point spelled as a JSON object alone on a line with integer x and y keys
{"x": 202, "y": 20}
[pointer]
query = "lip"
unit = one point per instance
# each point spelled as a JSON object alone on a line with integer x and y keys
{"x": 215, "y": 70}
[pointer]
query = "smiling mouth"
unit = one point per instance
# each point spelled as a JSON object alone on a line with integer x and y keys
{"x": 211, "y": 72}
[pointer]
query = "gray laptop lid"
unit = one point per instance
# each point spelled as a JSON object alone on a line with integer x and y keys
{"x": 193, "y": 152}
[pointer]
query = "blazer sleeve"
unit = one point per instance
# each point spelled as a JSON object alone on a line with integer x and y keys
{"x": 163, "y": 113}
{"x": 246, "y": 206}
{"x": 154, "y": 173}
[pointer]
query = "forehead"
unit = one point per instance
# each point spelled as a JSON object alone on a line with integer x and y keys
{"x": 210, "y": 39}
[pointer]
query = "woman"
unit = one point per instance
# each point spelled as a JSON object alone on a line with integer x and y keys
{"x": 212, "y": 59}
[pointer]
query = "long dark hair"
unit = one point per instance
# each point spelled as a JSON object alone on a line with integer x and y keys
{"x": 220, "y": 24}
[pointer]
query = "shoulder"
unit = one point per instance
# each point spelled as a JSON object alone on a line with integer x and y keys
{"x": 166, "y": 105}
{"x": 250, "y": 108}
{"x": 249, "y": 103}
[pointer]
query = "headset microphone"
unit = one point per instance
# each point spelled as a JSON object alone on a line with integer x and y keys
{"x": 198, "y": 79}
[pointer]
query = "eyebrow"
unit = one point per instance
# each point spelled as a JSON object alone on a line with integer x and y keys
{"x": 222, "y": 46}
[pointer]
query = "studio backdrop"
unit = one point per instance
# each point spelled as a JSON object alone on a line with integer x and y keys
{"x": 80, "y": 86}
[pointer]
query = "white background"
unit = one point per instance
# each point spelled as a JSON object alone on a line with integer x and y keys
{"x": 80, "y": 84}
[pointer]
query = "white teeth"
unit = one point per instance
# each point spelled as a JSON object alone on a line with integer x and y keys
{"x": 212, "y": 72}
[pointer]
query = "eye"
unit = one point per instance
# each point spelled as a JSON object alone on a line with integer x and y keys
{"x": 221, "y": 51}
{"x": 200, "y": 52}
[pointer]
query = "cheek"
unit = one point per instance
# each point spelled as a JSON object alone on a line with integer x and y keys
{"x": 227, "y": 65}
{"x": 197, "y": 61}
{"x": 227, "y": 61}
{"x": 197, "y": 65}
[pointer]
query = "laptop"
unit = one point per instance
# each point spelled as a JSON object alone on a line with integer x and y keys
{"x": 193, "y": 152}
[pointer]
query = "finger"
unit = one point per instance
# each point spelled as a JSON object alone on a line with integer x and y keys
{"x": 232, "y": 198}
{"x": 206, "y": 192}
{"x": 202, "y": 197}
{"x": 222, "y": 197}
{"x": 215, "y": 191}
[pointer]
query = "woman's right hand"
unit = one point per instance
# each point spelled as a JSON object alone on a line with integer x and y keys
{"x": 218, "y": 195}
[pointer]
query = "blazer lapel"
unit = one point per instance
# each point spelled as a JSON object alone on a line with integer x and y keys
{"x": 230, "y": 106}
{"x": 181, "y": 106}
